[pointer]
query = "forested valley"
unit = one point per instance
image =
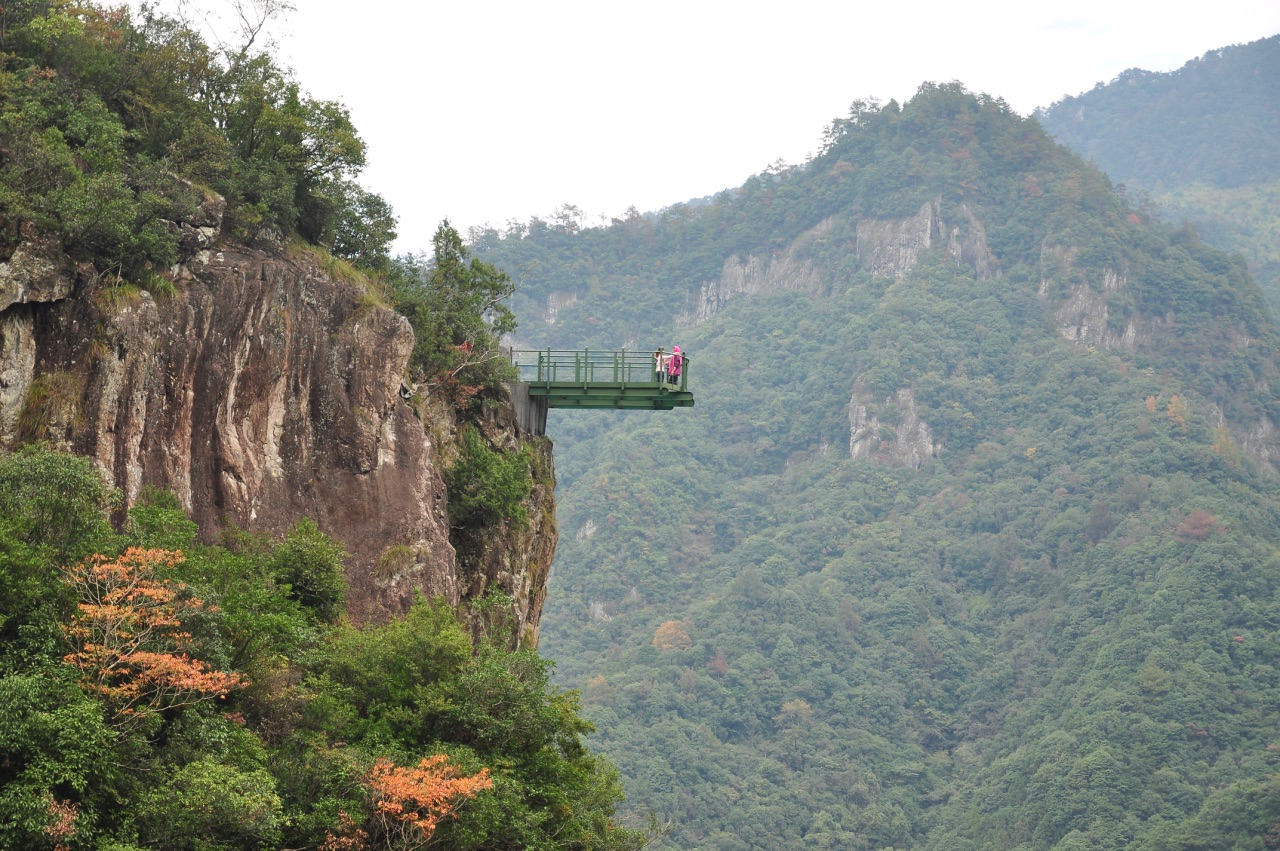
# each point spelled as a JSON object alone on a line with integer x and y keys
{"x": 970, "y": 541}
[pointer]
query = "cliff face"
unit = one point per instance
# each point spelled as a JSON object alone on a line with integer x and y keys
{"x": 888, "y": 248}
{"x": 260, "y": 390}
{"x": 902, "y": 438}
{"x": 788, "y": 269}
{"x": 891, "y": 248}
{"x": 1081, "y": 311}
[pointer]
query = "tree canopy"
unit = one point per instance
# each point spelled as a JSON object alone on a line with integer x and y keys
{"x": 115, "y": 121}
{"x": 158, "y": 692}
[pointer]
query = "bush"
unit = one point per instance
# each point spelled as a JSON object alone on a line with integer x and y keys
{"x": 487, "y": 486}
{"x": 311, "y": 564}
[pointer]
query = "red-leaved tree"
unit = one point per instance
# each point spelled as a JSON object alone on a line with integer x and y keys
{"x": 127, "y": 638}
{"x": 408, "y": 804}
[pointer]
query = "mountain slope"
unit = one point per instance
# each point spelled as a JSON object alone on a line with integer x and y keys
{"x": 1203, "y": 142}
{"x": 1216, "y": 121}
{"x": 970, "y": 540}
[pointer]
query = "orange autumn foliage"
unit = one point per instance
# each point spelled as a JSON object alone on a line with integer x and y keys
{"x": 409, "y": 803}
{"x": 672, "y": 636}
{"x": 62, "y": 823}
{"x": 1199, "y": 525}
{"x": 127, "y": 637}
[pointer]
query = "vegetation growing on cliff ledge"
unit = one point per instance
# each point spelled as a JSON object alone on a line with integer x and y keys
{"x": 457, "y": 306}
{"x": 160, "y": 693}
{"x": 112, "y": 121}
{"x": 486, "y": 486}
{"x": 116, "y": 125}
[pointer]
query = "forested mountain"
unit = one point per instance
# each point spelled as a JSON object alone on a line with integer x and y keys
{"x": 1203, "y": 142}
{"x": 971, "y": 539}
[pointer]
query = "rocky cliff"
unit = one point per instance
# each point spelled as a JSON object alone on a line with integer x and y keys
{"x": 890, "y": 429}
{"x": 261, "y": 388}
{"x": 788, "y": 269}
{"x": 888, "y": 248}
{"x": 891, "y": 248}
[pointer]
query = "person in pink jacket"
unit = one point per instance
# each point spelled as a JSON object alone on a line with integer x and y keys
{"x": 674, "y": 365}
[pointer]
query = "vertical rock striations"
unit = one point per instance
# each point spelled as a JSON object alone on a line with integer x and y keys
{"x": 260, "y": 390}
{"x": 891, "y": 430}
{"x": 787, "y": 269}
{"x": 890, "y": 248}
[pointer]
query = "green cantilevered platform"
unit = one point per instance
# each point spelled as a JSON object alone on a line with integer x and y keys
{"x": 586, "y": 379}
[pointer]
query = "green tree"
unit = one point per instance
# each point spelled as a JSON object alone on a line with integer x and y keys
{"x": 457, "y": 306}
{"x": 52, "y": 512}
{"x": 310, "y": 564}
{"x": 208, "y": 805}
{"x": 486, "y": 485}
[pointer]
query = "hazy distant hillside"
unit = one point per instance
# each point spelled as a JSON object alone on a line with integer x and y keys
{"x": 970, "y": 541}
{"x": 1216, "y": 120}
{"x": 1202, "y": 141}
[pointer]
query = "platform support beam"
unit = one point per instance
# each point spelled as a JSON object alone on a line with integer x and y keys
{"x": 531, "y": 411}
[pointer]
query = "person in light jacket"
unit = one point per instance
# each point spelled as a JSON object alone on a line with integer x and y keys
{"x": 660, "y": 365}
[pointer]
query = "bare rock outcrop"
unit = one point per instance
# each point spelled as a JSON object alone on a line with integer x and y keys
{"x": 967, "y": 244}
{"x": 890, "y": 430}
{"x": 886, "y": 247}
{"x": 260, "y": 391}
{"x": 1083, "y": 314}
{"x": 17, "y": 366}
{"x": 36, "y": 271}
{"x": 557, "y": 302}
{"x": 891, "y": 248}
{"x": 787, "y": 269}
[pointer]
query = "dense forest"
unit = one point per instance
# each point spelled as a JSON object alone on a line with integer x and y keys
{"x": 160, "y": 690}
{"x": 160, "y": 693}
{"x": 1202, "y": 144}
{"x": 934, "y": 562}
{"x": 1214, "y": 121}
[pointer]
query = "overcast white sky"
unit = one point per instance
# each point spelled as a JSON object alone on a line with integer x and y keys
{"x": 488, "y": 111}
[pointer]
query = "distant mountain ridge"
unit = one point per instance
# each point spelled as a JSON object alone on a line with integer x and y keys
{"x": 1203, "y": 142}
{"x": 1216, "y": 120}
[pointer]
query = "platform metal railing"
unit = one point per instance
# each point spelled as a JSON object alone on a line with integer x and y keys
{"x": 587, "y": 368}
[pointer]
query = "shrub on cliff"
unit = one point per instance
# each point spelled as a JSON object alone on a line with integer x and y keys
{"x": 457, "y": 305}
{"x": 487, "y": 486}
{"x": 310, "y": 563}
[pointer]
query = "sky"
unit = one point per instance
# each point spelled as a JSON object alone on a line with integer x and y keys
{"x": 486, "y": 112}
